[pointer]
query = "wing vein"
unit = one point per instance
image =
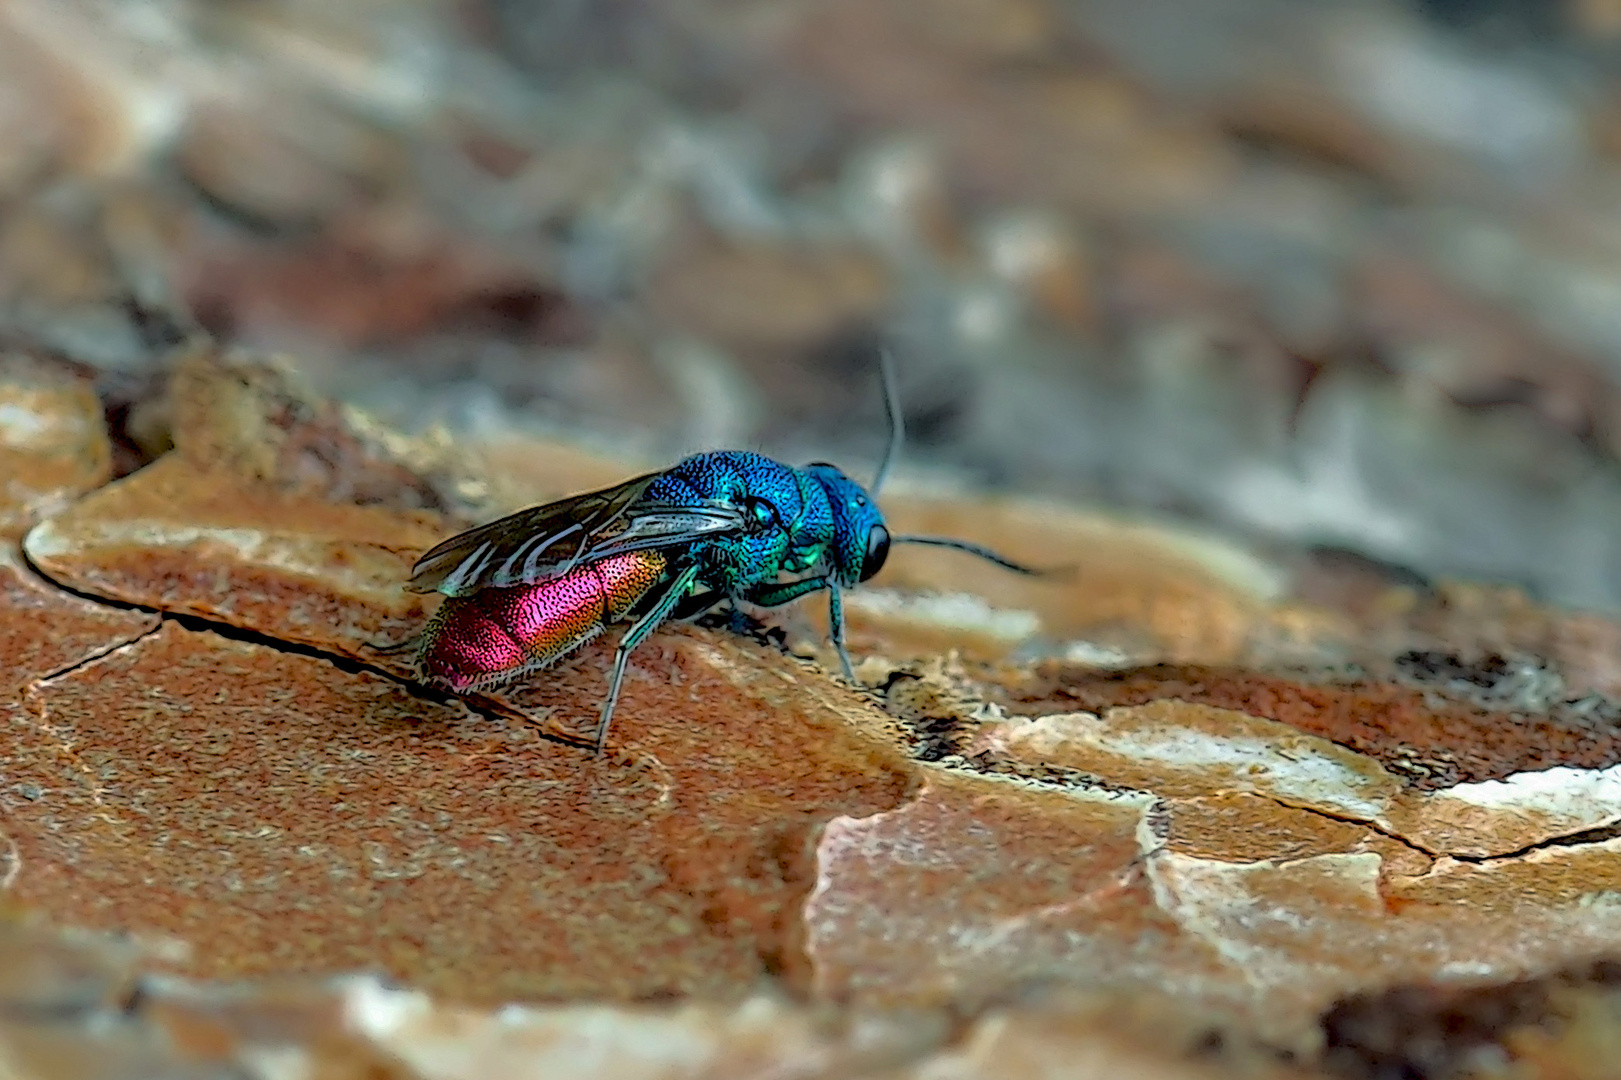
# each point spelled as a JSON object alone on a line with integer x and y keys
{"x": 519, "y": 548}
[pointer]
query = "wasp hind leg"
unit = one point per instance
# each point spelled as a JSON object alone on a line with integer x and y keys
{"x": 637, "y": 634}
{"x": 381, "y": 649}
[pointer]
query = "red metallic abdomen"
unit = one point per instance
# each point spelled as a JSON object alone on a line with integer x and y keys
{"x": 496, "y": 634}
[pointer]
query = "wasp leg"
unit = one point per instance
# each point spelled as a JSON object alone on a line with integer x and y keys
{"x": 700, "y": 604}
{"x": 835, "y": 617}
{"x": 396, "y": 648}
{"x": 635, "y": 636}
{"x": 696, "y": 605}
{"x": 775, "y": 595}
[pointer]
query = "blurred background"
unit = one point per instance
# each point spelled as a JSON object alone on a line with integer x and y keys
{"x": 1341, "y": 275}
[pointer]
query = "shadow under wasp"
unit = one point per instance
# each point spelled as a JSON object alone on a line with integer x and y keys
{"x": 723, "y": 526}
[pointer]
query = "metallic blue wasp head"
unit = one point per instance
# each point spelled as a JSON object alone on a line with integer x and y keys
{"x": 860, "y": 537}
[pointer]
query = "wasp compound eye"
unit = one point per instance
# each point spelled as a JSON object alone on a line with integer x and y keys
{"x": 877, "y": 551}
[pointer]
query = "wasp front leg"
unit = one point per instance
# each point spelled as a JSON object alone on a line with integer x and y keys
{"x": 775, "y": 595}
{"x": 835, "y": 618}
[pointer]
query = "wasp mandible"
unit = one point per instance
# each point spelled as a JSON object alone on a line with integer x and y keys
{"x": 721, "y": 526}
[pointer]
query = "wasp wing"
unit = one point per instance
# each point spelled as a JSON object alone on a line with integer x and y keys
{"x": 469, "y": 561}
{"x": 546, "y": 541}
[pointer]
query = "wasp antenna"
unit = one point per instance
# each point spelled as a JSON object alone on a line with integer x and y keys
{"x": 973, "y": 549}
{"x": 897, "y": 423}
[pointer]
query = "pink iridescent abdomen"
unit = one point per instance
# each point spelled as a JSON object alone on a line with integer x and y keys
{"x": 495, "y": 634}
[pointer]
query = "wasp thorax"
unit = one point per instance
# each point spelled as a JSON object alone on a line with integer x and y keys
{"x": 762, "y": 515}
